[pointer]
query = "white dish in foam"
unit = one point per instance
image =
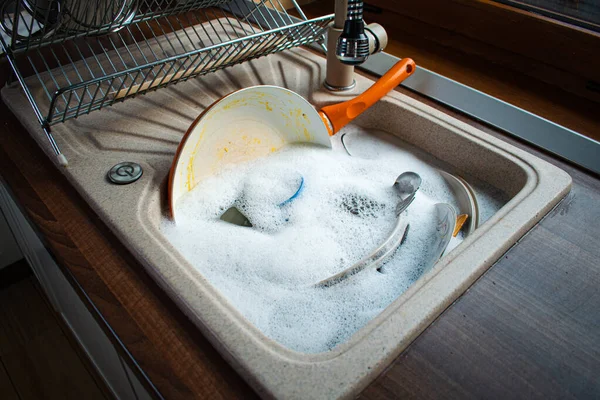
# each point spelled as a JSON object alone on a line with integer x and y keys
{"x": 246, "y": 124}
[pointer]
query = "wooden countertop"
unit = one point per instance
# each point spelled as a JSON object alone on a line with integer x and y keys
{"x": 529, "y": 327}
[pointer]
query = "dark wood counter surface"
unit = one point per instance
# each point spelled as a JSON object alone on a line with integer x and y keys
{"x": 529, "y": 327}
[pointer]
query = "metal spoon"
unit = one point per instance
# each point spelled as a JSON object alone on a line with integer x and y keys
{"x": 406, "y": 185}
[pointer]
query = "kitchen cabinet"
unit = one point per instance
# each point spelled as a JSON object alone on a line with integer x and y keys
{"x": 65, "y": 300}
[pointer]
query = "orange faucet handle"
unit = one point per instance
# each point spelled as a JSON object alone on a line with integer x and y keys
{"x": 339, "y": 115}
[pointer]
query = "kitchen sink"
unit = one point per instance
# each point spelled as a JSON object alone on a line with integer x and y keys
{"x": 148, "y": 129}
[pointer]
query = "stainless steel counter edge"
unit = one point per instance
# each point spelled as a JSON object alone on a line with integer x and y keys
{"x": 520, "y": 123}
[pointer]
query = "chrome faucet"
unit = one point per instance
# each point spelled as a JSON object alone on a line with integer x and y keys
{"x": 353, "y": 43}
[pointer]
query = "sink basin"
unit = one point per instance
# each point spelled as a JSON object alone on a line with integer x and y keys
{"x": 148, "y": 129}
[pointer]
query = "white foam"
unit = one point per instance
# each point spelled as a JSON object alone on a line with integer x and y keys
{"x": 267, "y": 271}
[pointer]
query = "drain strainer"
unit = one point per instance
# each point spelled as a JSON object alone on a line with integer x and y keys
{"x": 125, "y": 172}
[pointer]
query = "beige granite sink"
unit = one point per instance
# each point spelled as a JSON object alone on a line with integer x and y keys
{"x": 148, "y": 129}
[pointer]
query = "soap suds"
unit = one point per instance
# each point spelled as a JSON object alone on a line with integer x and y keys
{"x": 344, "y": 210}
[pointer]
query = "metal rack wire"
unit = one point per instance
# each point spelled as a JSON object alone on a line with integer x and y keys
{"x": 89, "y": 54}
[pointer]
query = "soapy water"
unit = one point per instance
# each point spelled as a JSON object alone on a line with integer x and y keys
{"x": 346, "y": 208}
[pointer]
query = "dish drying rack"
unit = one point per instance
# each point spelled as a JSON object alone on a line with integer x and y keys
{"x": 90, "y": 54}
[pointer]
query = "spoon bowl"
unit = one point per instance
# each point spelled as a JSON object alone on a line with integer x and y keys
{"x": 406, "y": 185}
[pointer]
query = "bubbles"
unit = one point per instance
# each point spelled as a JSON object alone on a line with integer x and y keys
{"x": 344, "y": 210}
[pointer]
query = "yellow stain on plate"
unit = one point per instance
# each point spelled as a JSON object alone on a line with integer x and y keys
{"x": 307, "y": 135}
{"x": 267, "y": 105}
{"x": 235, "y": 103}
{"x": 221, "y": 152}
{"x": 190, "y": 182}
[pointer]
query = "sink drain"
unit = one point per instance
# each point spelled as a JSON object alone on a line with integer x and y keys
{"x": 125, "y": 172}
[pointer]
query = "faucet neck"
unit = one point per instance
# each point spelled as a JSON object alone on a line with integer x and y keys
{"x": 341, "y": 13}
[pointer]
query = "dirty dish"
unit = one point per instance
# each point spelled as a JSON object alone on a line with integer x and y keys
{"x": 407, "y": 185}
{"x": 465, "y": 197}
{"x": 461, "y": 189}
{"x": 446, "y": 221}
{"x": 258, "y": 120}
{"x": 295, "y": 195}
{"x": 373, "y": 260}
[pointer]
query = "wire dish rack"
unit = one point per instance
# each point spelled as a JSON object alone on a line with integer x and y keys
{"x": 89, "y": 54}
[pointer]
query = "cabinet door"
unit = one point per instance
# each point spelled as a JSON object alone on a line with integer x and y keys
{"x": 65, "y": 300}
